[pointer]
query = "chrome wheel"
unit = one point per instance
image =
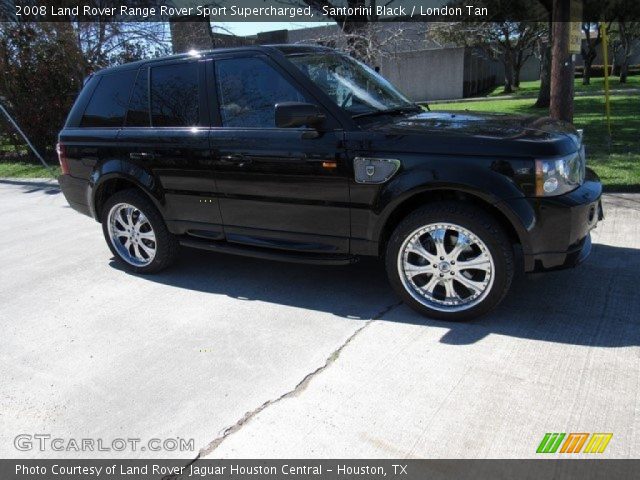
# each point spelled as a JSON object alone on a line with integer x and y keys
{"x": 446, "y": 267}
{"x": 132, "y": 235}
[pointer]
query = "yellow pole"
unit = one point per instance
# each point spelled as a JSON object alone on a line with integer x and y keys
{"x": 605, "y": 57}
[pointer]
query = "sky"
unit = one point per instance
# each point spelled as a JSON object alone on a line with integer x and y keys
{"x": 251, "y": 28}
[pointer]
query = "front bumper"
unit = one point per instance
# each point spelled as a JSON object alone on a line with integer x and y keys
{"x": 558, "y": 228}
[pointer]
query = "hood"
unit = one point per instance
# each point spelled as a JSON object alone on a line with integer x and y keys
{"x": 473, "y": 133}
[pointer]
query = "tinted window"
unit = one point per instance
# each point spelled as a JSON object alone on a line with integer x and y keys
{"x": 174, "y": 95}
{"x": 108, "y": 103}
{"x": 138, "y": 114}
{"x": 248, "y": 90}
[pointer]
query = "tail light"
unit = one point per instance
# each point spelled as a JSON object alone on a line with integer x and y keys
{"x": 62, "y": 158}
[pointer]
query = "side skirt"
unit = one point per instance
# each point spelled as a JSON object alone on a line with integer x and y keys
{"x": 270, "y": 254}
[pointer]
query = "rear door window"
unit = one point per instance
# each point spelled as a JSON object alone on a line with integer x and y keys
{"x": 109, "y": 101}
{"x": 174, "y": 95}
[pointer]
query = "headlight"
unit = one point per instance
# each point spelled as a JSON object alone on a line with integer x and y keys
{"x": 559, "y": 175}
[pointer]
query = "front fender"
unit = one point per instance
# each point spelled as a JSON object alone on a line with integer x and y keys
{"x": 480, "y": 182}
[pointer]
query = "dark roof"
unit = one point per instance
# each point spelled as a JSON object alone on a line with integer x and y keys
{"x": 286, "y": 49}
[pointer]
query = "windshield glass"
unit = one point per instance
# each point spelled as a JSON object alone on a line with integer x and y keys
{"x": 354, "y": 87}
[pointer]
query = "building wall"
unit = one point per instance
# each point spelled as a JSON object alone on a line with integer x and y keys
{"x": 427, "y": 74}
{"x": 530, "y": 70}
{"x": 480, "y": 73}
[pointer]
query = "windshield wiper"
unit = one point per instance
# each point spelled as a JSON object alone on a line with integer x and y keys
{"x": 389, "y": 111}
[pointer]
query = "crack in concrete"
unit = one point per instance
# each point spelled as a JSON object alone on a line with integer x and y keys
{"x": 299, "y": 388}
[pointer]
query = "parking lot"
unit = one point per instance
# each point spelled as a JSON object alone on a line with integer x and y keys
{"x": 253, "y": 358}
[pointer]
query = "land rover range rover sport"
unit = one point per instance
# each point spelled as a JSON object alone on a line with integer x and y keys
{"x": 304, "y": 154}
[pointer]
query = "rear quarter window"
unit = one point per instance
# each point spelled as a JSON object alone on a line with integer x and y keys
{"x": 109, "y": 101}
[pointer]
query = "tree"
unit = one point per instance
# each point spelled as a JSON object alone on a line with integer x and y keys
{"x": 44, "y": 65}
{"x": 35, "y": 85}
{"x": 511, "y": 43}
{"x": 589, "y": 48}
{"x": 528, "y": 35}
{"x": 543, "y": 53}
{"x": 595, "y": 12}
{"x": 104, "y": 43}
{"x": 626, "y": 33}
{"x": 356, "y": 23}
{"x": 375, "y": 40}
{"x": 561, "y": 106}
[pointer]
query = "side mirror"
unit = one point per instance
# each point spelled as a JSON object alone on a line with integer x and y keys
{"x": 296, "y": 114}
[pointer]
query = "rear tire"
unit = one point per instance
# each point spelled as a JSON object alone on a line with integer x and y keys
{"x": 136, "y": 233}
{"x": 450, "y": 261}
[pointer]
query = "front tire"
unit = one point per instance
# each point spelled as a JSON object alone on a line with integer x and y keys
{"x": 450, "y": 261}
{"x": 136, "y": 233}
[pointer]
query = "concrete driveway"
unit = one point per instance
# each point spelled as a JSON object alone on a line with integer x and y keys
{"x": 251, "y": 358}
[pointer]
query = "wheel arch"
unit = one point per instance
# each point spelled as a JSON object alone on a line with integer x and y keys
{"x": 105, "y": 184}
{"x": 394, "y": 213}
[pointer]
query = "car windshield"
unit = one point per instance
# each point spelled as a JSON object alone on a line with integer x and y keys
{"x": 352, "y": 85}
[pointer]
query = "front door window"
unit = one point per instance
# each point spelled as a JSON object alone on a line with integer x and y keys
{"x": 248, "y": 90}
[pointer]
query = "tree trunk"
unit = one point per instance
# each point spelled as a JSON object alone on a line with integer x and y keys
{"x": 544, "y": 94}
{"x": 561, "y": 65}
{"x": 508, "y": 73}
{"x": 517, "y": 68}
{"x": 586, "y": 75}
{"x": 589, "y": 51}
{"x": 624, "y": 70}
{"x": 626, "y": 52}
{"x": 516, "y": 77}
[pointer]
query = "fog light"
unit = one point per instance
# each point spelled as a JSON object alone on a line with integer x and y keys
{"x": 550, "y": 185}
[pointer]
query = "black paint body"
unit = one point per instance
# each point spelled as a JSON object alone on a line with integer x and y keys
{"x": 293, "y": 189}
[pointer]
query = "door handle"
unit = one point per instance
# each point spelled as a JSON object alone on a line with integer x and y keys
{"x": 235, "y": 159}
{"x": 142, "y": 156}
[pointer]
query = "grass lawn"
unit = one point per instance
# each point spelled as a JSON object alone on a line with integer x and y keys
{"x": 14, "y": 167}
{"x": 618, "y": 164}
{"x": 26, "y": 170}
{"x": 530, "y": 89}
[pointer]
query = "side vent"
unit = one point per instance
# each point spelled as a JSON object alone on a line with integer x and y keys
{"x": 374, "y": 170}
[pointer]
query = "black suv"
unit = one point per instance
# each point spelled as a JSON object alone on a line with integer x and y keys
{"x": 303, "y": 154}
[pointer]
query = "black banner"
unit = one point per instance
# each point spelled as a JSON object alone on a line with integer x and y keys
{"x": 548, "y": 469}
{"x": 310, "y": 10}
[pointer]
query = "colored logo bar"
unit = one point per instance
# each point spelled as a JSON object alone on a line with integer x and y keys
{"x": 573, "y": 442}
